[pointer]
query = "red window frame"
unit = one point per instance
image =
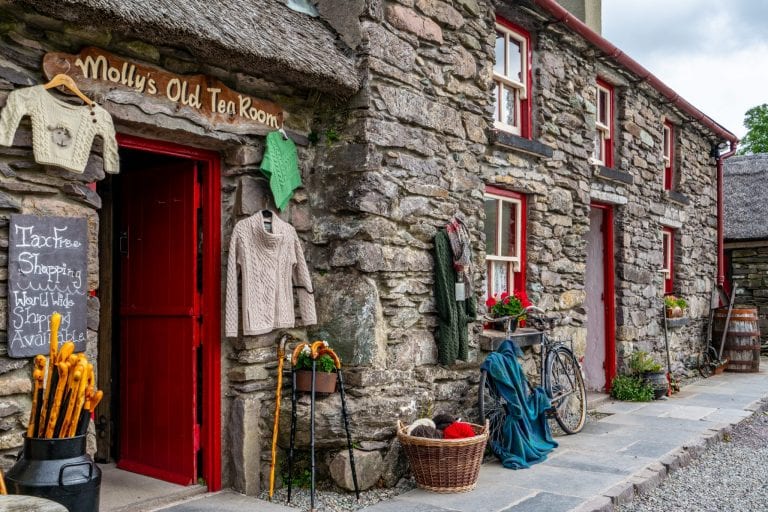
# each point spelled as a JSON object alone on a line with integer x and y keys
{"x": 607, "y": 141}
{"x": 668, "y": 255}
{"x": 668, "y": 146}
{"x": 525, "y": 102}
{"x": 517, "y": 280}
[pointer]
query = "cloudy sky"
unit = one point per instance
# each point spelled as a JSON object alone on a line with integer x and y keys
{"x": 714, "y": 53}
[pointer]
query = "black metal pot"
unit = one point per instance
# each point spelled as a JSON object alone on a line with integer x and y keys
{"x": 658, "y": 381}
{"x": 58, "y": 470}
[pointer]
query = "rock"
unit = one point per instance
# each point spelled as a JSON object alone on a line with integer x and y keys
{"x": 7, "y": 365}
{"x": 244, "y": 155}
{"x": 11, "y": 440}
{"x": 15, "y": 385}
{"x": 442, "y": 12}
{"x": 395, "y": 464}
{"x": 7, "y": 202}
{"x": 83, "y": 194}
{"x": 253, "y": 194}
{"x": 414, "y": 108}
{"x": 390, "y": 48}
{"x": 368, "y": 466}
{"x": 344, "y": 17}
{"x": 245, "y": 439}
{"x": 358, "y": 335}
{"x": 407, "y": 19}
{"x": 470, "y": 6}
{"x": 140, "y": 50}
{"x": 94, "y": 307}
{"x": 8, "y": 408}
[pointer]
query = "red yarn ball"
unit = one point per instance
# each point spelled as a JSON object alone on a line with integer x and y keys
{"x": 458, "y": 430}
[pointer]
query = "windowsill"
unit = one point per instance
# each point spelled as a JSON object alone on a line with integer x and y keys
{"x": 674, "y": 323}
{"x": 676, "y": 197}
{"x": 512, "y": 141}
{"x": 609, "y": 174}
{"x": 523, "y": 337}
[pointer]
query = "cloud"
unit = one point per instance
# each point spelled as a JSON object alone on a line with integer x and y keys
{"x": 713, "y": 53}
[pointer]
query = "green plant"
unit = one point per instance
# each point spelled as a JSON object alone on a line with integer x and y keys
{"x": 641, "y": 362}
{"x": 324, "y": 363}
{"x": 681, "y": 303}
{"x": 671, "y": 301}
{"x": 631, "y": 388}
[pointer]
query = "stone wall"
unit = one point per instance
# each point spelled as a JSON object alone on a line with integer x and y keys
{"x": 749, "y": 271}
{"x": 386, "y": 169}
{"x": 248, "y": 364}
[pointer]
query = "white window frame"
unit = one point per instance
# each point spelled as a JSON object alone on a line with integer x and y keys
{"x": 513, "y": 260}
{"x": 519, "y": 87}
{"x": 666, "y": 247}
{"x": 603, "y": 130}
{"x": 667, "y": 146}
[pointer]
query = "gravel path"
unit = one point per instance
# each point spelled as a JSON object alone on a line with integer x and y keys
{"x": 730, "y": 476}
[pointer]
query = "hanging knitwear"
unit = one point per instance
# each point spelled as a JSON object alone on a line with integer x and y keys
{"x": 62, "y": 133}
{"x": 281, "y": 166}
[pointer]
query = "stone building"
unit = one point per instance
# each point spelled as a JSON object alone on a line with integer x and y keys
{"x": 746, "y": 232}
{"x": 584, "y": 181}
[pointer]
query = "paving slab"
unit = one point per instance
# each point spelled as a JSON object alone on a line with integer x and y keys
{"x": 630, "y": 447}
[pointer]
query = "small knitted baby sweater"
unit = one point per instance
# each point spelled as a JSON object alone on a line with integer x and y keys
{"x": 281, "y": 165}
{"x": 62, "y": 134}
{"x": 271, "y": 266}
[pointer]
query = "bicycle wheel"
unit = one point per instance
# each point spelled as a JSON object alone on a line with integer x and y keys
{"x": 491, "y": 407}
{"x": 707, "y": 361}
{"x": 565, "y": 387}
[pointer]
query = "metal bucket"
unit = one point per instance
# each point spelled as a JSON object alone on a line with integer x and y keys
{"x": 58, "y": 470}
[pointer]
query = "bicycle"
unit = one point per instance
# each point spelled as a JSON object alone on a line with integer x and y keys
{"x": 560, "y": 374}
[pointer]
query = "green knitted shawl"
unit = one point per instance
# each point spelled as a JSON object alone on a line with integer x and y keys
{"x": 281, "y": 165}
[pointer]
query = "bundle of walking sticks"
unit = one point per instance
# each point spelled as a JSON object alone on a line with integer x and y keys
{"x": 62, "y": 408}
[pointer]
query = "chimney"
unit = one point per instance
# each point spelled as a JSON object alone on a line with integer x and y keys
{"x": 588, "y": 11}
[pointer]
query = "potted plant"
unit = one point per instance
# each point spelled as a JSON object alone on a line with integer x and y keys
{"x": 675, "y": 306}
{"x": 325, "y": 376}
{"x": 508, "y": 305}
{"x": 650, "y": 372}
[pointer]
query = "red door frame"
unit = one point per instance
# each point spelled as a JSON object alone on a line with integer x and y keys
{"x": 609, "y": 293}
{"x": 210, "y": 165}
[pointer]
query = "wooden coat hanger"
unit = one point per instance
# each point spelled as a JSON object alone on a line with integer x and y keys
{"x": 69, "y": 83}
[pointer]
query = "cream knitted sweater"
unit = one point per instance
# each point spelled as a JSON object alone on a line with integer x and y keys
{"x": 271, "y": 266}
{"x": 62, "y": 134}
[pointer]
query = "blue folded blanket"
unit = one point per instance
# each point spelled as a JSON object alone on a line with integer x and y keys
{"x": 526, "y": 438}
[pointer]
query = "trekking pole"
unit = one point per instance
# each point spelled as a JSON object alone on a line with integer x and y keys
{"x": 346, "y": 427}
{"x": 727, "y": 321}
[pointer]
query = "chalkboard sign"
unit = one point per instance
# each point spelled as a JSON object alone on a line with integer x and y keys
{"x": 47, "y": 272}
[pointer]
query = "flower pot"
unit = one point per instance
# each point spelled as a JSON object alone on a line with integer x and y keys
{"x": 502, "y": 325}
{"x": 324, "y": 382}
{"x": 658, "y": 381}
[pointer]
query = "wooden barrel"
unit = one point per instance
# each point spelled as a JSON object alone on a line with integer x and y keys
{"x": 742, "y": 342}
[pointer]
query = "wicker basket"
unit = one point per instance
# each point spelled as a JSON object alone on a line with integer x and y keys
{"x": 445, "y": 465}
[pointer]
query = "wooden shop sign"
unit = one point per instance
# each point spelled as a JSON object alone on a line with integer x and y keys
{"x": 47, "y": 272}
{"x": 94, "y": 69}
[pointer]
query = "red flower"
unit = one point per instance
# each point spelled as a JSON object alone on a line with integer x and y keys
{"x": 504, "y": 295}
{"x": 490, "y": 302}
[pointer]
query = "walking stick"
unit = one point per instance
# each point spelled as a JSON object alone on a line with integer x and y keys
{"x": 727, "y": 321}
{"x": 666, "y": 346}
{"x": 312, "y": 437}
{"x": 278, "y": 392}
{"x": 346, "y": 427}
{"x": 293, "y": 431}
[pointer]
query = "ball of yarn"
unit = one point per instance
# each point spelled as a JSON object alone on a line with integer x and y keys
{"x": 421, "y": 421}
{"x": 442, "y": 420}
{"x": 458, "y": 430}
{"x": 426, "y": 431}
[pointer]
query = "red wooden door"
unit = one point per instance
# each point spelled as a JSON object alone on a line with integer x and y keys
{"x": 159, "y": 329}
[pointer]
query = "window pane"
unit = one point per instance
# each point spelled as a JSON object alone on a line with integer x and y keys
{"x": 602, "y": 105}
{"x": 490, "y": 226}
{"x": 515, "y": 56}
{"x": 498, "y": 66}
{"x": 496, "y": 114}
{"x": 509, "y": 106}
{"x": 500, "y": 277}
{"x": 508, "y": 226}
{"x": 599, "y": 146}
{"x": 665, "y": 251}
{"x": 667, "y": 139}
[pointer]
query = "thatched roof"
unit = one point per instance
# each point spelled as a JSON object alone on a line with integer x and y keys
{"x": 261, "y": 37}
{"x": 746, "y": 196}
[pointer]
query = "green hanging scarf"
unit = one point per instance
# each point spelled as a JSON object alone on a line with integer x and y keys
{"x": 281, "y": 165}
